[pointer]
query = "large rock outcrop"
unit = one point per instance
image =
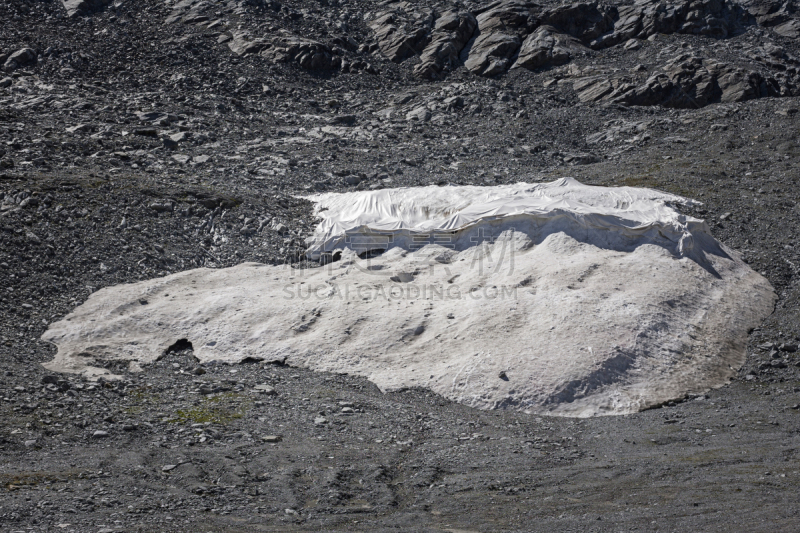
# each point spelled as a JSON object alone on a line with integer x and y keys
{"x": 501, "y": 29}
{"x": 780, "y": 15}
{"x": 715, "y": 18}
{"x": 582, "y": 21}
{"x": 451, "y": 33}
{"x": 547, "y": 47}
{"x": 399, "y": 38}
{"x": 686, "y": 82}
{"x": 488, "y": 40}
{"x": 309, "y": 54}
{"x": 81, "y": 7}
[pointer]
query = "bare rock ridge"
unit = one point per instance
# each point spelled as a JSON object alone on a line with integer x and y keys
{"x": 499, "y": 36}
{"x": 307, "y": 53}
{"x": 520, "y": 34}
{"x": 489, "y": 40}
{"x": 450, "y": 34}
{"x": 399, "y": 39}
{"x": 502, "y": 26}
{"x": 686, "y": 82}
{"x": 782, "y": 17}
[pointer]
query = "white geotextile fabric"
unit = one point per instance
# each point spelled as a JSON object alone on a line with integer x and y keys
{"x": 389, "y": 218}
{"x": 590, "y": 306}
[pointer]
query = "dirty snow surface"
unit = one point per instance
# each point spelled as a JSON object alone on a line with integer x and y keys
{"x": 554, "y": 298}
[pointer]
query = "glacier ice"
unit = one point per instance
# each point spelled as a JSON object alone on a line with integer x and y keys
{"x": 556, "y": 298}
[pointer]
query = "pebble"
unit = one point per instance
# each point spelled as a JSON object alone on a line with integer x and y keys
{"x": 265, "y": 389}
{"x": 421, "y": 114}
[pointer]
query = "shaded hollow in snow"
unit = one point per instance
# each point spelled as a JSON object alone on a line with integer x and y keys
{"x": 557, "y": 298}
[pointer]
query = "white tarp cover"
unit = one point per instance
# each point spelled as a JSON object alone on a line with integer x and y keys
{"x": 405, "y": 217}
{"x": 556, "y": 298}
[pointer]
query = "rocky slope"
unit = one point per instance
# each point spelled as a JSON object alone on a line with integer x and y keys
{"x": 142, "y": 137}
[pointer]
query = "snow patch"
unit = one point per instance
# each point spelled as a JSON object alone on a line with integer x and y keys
{"x": 556, "y": 298}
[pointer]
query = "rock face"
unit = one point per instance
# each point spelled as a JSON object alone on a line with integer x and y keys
{"x": 782, "y": 17}
{"x": 399, "y": 40}
{"x": 715, "y": 18}
{"x": 310, "y": 55}
{"x": 501, "y": 29}
{"x": 585, "y": 22}
{"x": 81, "y": 7}
{"x": 524, "y": 307}
{"x": 491, "y": 39}
{"x": 452, "y": 32}
{"x": 789, "y": 29}
{"x": 547, "y": 47}
{"x": 771, "y": 13}
{"x": 686, "y": 82}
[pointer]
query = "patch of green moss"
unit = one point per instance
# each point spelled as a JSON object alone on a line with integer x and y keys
{"x": 328, "y": 394}
{"x": 139, "y": 399}
{"x": 33, "y": 478}
{"x": 220, "y": 409}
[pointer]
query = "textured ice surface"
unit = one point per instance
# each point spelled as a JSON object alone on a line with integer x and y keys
{"x": 556, "y": 298}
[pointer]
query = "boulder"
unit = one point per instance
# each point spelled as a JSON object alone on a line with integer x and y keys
{"x": 309, "y": 54}
{"x": 20, "y": 58}
{"x": 242, "y": 43}
{"x": 789, "y": 29}
{"x": 547, "y": 47}
{"x": 580, "y": 158}
{"x": 422, "y": 114}
{"x": 81, "y": 7}
{"x": 492, "y": 54}
{"x": 770, "y": 13}
{"x": 601, "y": 88}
